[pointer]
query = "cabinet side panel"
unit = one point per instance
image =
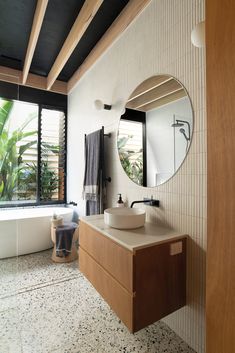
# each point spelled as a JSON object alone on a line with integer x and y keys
{"x": 160, "y": 279}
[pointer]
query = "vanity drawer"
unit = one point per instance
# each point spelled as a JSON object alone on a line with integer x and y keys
{"x": 117, "y": 260}
{"x": 119, "y": 299}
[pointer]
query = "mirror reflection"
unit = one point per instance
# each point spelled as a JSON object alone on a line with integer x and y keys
{"x": 155, "y": 131}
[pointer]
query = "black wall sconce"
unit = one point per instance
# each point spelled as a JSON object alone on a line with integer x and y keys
{"x": 100, "y": 105}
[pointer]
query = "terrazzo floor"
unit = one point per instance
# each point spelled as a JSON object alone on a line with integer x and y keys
{"x": 52, "y": 308}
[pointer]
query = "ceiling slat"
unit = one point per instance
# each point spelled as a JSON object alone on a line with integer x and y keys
{"x": 83, "y": 20}
{"x": 128, "y": 14}
{"x": 36, "y": 27}
{"x": 154, "y": 94}
{"x": 35, "y": 81}
{"x": 149, "y": 84}
{"x": 165, "y": 100}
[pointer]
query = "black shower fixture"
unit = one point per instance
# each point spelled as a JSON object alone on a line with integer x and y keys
{"x": 177, "y": 124}
{"x": 183, "y": 132}
{"x": 180, "y": 123}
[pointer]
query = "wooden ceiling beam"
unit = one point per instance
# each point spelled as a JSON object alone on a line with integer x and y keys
{"x": 10, "y": 75}
{"x": 82, "y": 22}
{"x": 126, "y": 17}
{"x": 36, "y": 27}
{"x": 34, "y": 81}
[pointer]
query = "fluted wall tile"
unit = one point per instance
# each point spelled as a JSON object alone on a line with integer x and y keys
{"x": 157, "y": 42}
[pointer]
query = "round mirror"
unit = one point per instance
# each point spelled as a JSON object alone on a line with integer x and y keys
{"x": 155, "y": 132}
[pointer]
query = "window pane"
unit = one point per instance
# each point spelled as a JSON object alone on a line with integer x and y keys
{"x": 18, "y": 152}
{"x": 52, "y": 155}
{"x": 130, "y": 147}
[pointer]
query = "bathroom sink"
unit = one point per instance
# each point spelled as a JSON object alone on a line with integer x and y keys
{"x": 124, "y": 218}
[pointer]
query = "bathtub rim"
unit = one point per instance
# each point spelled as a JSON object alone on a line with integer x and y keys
{"x": 20, "y": 215}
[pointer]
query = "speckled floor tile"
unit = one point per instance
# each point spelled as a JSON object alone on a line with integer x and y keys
{"x": 26, "y": 272}
{"x": 10, "y": 340}
{"x": 58, "y": 311}
{"x": 8, "y": 275}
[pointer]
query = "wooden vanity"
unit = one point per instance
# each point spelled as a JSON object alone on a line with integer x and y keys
{"x": 141, "y": 273}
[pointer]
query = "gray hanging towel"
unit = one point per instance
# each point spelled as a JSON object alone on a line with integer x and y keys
{"x": 94, "y": 181}
{"x": 64, "y": 238}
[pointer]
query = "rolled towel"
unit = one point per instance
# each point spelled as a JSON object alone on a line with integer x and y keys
{"x": 64, "y": 238}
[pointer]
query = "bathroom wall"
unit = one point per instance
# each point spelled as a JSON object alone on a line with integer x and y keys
{"x": 157, "y": 42}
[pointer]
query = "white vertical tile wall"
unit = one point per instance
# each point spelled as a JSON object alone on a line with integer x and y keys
{"x": 157, "y": 42}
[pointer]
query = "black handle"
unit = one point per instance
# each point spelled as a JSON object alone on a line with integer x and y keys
{"x": 73, "y": 203}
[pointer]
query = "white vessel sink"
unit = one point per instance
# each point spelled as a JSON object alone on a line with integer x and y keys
{"x": 124, "y": 218}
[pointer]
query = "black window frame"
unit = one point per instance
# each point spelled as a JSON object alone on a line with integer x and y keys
{"x": 40, "y": 202}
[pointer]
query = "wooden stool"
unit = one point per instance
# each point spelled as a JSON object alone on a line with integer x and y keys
{"x": 74, "y": 252}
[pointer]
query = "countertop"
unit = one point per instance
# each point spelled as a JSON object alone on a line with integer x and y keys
{"x": 134, "y": 239}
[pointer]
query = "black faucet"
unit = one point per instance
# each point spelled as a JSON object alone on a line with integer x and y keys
{"x": 72, "y": 203}
{"x": 149, "y": 202}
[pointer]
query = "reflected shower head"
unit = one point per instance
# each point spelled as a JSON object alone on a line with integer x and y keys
{"x": 177, "y": 124}
{"x": 180, "y": 123}
{"x": 183, "y": 132}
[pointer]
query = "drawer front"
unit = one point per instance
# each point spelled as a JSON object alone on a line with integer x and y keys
{"x": 119, "y": 299}
{"x": 117, "y": 260}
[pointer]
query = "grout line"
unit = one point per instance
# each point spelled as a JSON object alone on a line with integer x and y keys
{"x": 39, "y": 286}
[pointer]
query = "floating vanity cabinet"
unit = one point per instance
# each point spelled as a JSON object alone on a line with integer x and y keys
{"x": 140, "y": 273}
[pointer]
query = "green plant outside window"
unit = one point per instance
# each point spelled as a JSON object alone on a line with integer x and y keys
{"x": 19, "y": 156}
{"x": 130, "y": 150}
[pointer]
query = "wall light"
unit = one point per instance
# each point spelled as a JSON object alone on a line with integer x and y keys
{"x": 123, "y": 111}
{"x": 100, "y": 105}
{"x": 198, "y": 35}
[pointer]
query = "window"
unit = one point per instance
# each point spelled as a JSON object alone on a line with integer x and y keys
{"x": 52, "y": 156}
{"x": 32, "y": 154}
{"x": 131, "y": 149}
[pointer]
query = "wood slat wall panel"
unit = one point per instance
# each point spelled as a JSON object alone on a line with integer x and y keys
{"x": 220, "y": 289}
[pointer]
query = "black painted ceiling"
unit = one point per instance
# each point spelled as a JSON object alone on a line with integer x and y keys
{"x": 16, "y": 17}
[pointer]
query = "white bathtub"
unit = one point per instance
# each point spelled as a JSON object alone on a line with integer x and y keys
{"x": 27, "y": 230}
